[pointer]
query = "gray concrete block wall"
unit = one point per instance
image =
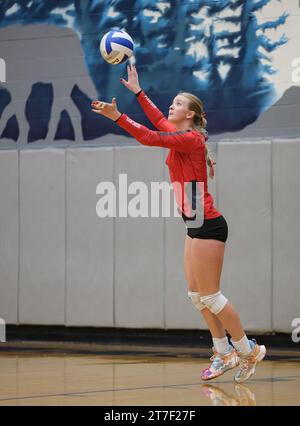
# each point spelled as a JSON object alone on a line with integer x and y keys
{"x": 66, "y": 266}
{"x": 59, "y": 63}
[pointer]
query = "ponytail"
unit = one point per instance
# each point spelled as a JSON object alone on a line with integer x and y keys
{"x": 210, "y": 162}
{"x": 200, "y": 124}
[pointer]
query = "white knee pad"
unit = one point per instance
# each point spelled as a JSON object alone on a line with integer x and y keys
{"x": 196, "y": 300}
{"x": 214, "y": 302}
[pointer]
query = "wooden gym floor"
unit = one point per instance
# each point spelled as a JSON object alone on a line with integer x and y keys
{"x": 32, "y": 374}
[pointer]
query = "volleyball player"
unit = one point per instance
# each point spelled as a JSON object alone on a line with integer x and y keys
{"x": 184, "y": 134}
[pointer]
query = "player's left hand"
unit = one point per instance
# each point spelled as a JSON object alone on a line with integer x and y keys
{"x": 108, "y": 110}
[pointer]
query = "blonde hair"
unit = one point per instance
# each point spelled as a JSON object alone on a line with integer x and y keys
{"x": 199, "y": 124}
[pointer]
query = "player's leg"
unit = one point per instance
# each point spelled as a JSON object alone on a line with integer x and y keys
{"x": 214, "y": 324}
{"x": 224, "y": 358}
{"x": 207, "y": 260}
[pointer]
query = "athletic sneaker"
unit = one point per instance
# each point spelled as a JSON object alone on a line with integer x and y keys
{"x": 248, "y": 363}
{"x": 220, "y": 364}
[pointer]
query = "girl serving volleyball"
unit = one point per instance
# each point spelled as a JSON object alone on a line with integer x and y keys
{"x": 184, "y": 134}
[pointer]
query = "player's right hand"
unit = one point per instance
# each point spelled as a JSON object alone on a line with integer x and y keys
{"x": 133, "y": 80}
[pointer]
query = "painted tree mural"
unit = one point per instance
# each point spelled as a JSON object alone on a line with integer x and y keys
{"x": 178, "y": 46}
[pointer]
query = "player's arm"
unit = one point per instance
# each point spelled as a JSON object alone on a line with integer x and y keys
{"x": 183, "y": 141}
{"x": 180, "y": 141}
{"x": 152, "y": 112}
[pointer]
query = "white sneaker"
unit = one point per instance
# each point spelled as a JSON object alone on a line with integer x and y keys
{"x": 248, "y": 363}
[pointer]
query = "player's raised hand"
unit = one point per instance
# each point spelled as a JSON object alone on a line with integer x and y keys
{"x": 106, "y": 109}
{"x": 133, "y": 80}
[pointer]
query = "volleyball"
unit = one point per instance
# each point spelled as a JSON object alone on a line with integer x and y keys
{"x": 116, "y": 47}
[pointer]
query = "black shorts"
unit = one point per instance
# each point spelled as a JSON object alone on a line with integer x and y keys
{"x": 212, "y": 229}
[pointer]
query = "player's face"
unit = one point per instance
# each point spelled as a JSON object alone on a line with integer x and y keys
{"x": 179, "y": 110}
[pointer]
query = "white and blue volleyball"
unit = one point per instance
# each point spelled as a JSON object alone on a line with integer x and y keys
{"x": 116, "y": 46}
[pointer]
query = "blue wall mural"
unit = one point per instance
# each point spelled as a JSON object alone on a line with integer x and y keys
{"x": 178, "y": 46}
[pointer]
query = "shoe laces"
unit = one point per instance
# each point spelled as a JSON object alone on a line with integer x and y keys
{"x": 244, "y": 364}
{"x": 246, "y": 360}
{"x": 216, "y": 360}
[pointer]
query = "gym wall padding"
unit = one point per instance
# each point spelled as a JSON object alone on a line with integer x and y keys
{"x": 90, "y": 247}
{"x": 9, "y": 229}
{"x": 66, "y": 266}
{"x": 42, "y": 237}
{"x": 139, "y": 244}
{"x": 286, "y": 233}
{"x": 244, "y": 197}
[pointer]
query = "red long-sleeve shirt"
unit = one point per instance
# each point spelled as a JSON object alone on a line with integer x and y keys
{"x": 186, "y": 158}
